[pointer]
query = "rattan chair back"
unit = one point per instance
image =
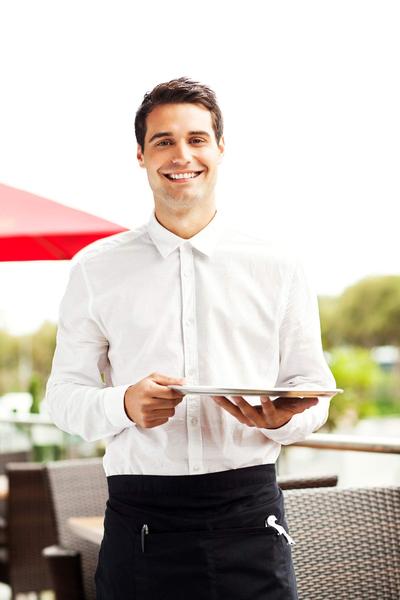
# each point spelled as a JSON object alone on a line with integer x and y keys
{"x": 30, "y": 528}
{"x": 78, "y": 489}
{"x": 6, "y": 457}
{"x": 17, "y": 456}
{"x": 347, "y": 542}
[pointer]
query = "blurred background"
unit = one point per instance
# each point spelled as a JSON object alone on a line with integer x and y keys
{"x": 310, "y": 95}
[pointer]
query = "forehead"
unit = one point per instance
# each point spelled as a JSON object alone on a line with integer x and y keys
{"x": 178, "y": 119}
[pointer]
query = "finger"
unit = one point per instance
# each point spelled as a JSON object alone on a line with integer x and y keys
{"x": 274, "y": 415}
{"x": 268, "y": 407}
{"x": 149, "y": 423}
{"x": 232, "y": 409}
{"x": 248, "y": 411}
{"x": 162, "y": 413}
{"x": 156, "y": 403}
{"x": 296, "y": 405}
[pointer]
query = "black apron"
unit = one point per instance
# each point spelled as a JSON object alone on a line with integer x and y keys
{"x": 195, "y": 537}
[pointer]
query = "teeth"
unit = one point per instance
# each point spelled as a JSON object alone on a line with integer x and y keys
{"x": 182, "y": 175}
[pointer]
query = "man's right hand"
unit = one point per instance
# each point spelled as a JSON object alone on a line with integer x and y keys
{"x": 149, "y": 403}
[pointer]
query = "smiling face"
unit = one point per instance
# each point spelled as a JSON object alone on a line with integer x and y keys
{"x": 181, "y": 156}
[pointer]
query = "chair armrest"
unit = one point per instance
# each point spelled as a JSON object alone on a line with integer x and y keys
{"x": 66, "y": 573}
{"x": 58, "y": 552}
{"x": 292, "y": 483}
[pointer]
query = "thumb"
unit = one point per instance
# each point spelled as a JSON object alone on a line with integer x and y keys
{"x": 166, "y": 380}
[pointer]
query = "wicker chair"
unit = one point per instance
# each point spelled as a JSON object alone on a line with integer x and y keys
{"x": 30, "y": 527}
{"x": 6, "y": 457}
{"x": 78, "y": 488}
{"x": 18, "y": 456}
{"x": 347, "y": 542}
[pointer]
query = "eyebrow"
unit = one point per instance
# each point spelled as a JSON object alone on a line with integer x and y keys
{"x": 161, "y": 134}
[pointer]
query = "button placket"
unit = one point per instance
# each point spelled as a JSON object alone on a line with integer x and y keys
{"x": 194, "y": 437}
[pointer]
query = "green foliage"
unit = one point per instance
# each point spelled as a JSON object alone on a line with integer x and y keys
{"x": 9, "y": 360}
{"x": 368, "y": 390}
{"x": 43, "y": 346}
{"x": 327, "y": 313}
{"x": 366, "y": 314}
{"x": 32, "y": 352}
{"x": 387, "y": 395}
{"x": 36, "y": 391}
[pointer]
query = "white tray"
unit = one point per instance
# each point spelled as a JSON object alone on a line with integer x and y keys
{"x": 207, "y": 390}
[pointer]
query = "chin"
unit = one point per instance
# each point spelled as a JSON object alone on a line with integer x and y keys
{"x": 181, "y": 201}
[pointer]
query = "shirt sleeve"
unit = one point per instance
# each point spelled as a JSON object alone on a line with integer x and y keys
{"x": 302, "y": 362}
{"x": 79, "y": 396}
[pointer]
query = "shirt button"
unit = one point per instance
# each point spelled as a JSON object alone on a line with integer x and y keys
{"x": 196, "y": 468}
{"x": 194, "y": 420}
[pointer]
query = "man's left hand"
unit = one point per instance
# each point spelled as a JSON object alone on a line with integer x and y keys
{"x": 269, "y": 415}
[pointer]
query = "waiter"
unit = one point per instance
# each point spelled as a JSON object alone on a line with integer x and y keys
{"x": 185, "y": 298}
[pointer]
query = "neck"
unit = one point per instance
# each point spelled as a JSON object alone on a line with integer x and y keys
{"x": 187, "y": 224}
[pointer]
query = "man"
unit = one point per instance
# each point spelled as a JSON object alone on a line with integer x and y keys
{"x": 186, "y": 299}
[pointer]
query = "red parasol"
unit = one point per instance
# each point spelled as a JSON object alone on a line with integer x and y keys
{"x": 33, "y": 228}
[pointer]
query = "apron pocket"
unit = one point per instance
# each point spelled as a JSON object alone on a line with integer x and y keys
{"x": 252, "y": 564}
{"x": 174, "y": 566}
{"x": 236, "y": 564}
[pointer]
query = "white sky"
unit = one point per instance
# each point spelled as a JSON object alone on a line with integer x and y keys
{"x": 310, "y": 94}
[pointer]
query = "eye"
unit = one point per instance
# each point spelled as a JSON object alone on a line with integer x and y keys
{"x": 164, "y": 143}
{"x": 197, "y": 140}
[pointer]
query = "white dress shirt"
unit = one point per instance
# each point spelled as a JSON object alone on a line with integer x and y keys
{"x": 222, "y": 308}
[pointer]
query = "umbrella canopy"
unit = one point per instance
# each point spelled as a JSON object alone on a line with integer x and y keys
{"x": 33, "y": 228}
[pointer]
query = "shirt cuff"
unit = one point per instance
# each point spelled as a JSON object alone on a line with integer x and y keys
{"x": 114, "y": 407}
{"x": 282, "y": 434}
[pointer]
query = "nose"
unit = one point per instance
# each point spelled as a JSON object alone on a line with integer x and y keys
{"x": 182, "y": 153}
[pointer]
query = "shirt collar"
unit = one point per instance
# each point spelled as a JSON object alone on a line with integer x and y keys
{"x": 166, "y": 242}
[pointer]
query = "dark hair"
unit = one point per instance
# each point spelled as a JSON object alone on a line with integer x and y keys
{"x": 177, "y": 91}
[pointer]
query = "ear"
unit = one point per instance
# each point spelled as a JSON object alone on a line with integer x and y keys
{"x": 221, "y": 147}
{"x": 139, "y": 155}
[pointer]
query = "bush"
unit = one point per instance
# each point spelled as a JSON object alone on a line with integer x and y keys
{"x": 368, "y": 389}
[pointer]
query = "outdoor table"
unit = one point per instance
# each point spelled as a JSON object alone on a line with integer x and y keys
{"x": 87, "y": 528}
{"x": 26, "y": 419}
